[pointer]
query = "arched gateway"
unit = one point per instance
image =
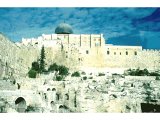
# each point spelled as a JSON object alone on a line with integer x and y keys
{"x": 20, "y": 104}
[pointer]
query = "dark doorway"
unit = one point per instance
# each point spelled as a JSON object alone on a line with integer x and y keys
{"x": 20, "y": 104}
{"x": 147, "y": 107}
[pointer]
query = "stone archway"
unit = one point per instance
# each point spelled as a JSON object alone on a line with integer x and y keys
{"x": 53, "y": 89}
{"x": 48, "y": 89}
{"x": 20, "y": 104}
{"x": 63, "y": 109}
{"x": 53, "y": 107}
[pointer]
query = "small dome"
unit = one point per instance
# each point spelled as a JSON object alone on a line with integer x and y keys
{"x": 63, "y": 28}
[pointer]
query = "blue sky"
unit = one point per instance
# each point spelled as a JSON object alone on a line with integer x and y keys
{"x": 120, "y": 26}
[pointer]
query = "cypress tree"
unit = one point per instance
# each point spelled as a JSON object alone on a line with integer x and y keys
{"x": 42, "y": 60}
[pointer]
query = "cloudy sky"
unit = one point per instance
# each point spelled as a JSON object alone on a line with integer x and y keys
{"x": 120, "y": 26}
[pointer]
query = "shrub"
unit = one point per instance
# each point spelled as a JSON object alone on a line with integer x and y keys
{"x": 59, "y": 78}
{"x": 4, "y": 78}
{"x": 30, "y": 108}
{"x": 138, "y": 72}
{"x": 113, "y": 81}
{"x": 127, "y": 107}
{"x": 32, "y": 73}
{"x": 115, "y": 74}
{"x": 75, "y": 74}
{"x": 35, "y": 66}
{"x": 83, "y": 73}
{"x": 63, "y": 70}
{"x": 84, "y": 78}
{"x": 146, "y": 86}
{"x": 154, "y": 74}
{"x": 90, "y": 77}
{"x": 38, "y": 66}
{"x": 94, "y": 81}
{"x": 101, "y": 74}
{"x": 145, "y": 72}
{"x": 53, "y": 67}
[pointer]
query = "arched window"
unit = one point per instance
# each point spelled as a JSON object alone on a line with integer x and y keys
{"x": 107, "y": 52}
{"x": 48, "y": 89}
{"x": 53, "y": 89}
{"x": 87, "y": 52}
{"x": 126, "y": 52}
{"x": 120, "y": 53}
{"x": 57, "y": 96}
{"x": 135, "y": 53}
{"x": 52, "y": 103}
{"x": 114, "y": 53}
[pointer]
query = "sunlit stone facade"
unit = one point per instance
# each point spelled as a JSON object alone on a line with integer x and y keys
{"x": 91, "y": 50}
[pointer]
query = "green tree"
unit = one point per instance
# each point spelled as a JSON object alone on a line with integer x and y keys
{"x": 53, "y": 67}
{"x": 75, "y": 74}
{"x": 32, "y": 73}
{"x": 154, "y": 74}
{"x": 146, "y": 72}
{"x": 42, "y": 60}
{"x": 138, "y": 72}
{"x": 63, "y": 70}
{"x": 35, "y": 66}
{"x": 59, "y": 78}
{"x": 30, "y": 109}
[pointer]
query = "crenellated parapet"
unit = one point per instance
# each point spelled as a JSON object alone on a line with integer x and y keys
{"x": 153, "y": 51}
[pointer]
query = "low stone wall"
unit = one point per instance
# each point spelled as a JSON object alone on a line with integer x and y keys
{"x": 140, "y": 77}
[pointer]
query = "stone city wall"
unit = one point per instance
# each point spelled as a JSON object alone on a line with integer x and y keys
{"x": 15, "y": 59}
{"x": 77, "y": 51}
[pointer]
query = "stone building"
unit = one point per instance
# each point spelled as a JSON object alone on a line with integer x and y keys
{"x": 77, "y": 51}
{"x": 90, "y": 50}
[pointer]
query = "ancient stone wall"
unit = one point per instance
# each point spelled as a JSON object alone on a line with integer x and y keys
{"x": 89, "y": 50}
{"x": 15, "y": 59}
{"x": 131, "y": 57}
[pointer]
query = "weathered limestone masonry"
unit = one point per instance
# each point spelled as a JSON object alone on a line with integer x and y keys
{"x": 132, "y": 57}
{"x": 77, "y": 51}
{"x": 72, "y": 50}
{"x": 15, "y": 59}
{"x": 108, "y": 93}
{"x": 88, "y": 52}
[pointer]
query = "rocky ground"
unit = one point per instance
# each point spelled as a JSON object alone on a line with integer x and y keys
{"x": 91, "y": 92}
